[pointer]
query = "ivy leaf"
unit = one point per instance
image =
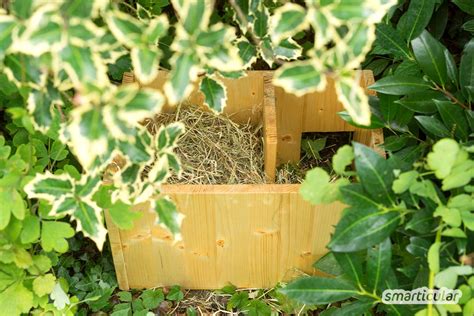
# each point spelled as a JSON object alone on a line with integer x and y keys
{"x": 360, "y": 228}
{"x": 54, "y": 234}
{"x": 400, "y": 85}
{"x": 286, "y": 21}
{"x": 416, "y": 18}
{"x": 429, "y": 54}
{"x": 152, "y": 298}
{"x": 44, "y": 284}
{"x": 318, "y": 290}
{"x": 300, "y": 77}
{"x": 375, "y": 173}
{"x": 379, "y": 258}
{"x": 215, "y": 93}
{"x": 175, "y": 294}
{"x": 168, "y": 216}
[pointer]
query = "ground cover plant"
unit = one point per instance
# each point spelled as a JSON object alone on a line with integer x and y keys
{"x": 64, "y": 119}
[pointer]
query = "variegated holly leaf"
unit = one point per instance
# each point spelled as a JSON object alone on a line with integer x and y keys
{"x": 7, "y": 24}
{"x": 49, "y": 187}
{"x": 180, "y": 82}
{"x": 84, "y": 67}
{"x": 288, "y": 49}
{"x": 357, "y": 43}
{"x": 353, "y": 98}
{"x": 217, "y": 34}
{"x": 84, "y": 8}
{"x": 24, "y": 70}
{"x": 145, "y": 61}
{"x": 300, "y": 77}
{"x": 41, "y": 104}
{"x": 89, "y": 221}
{"x": 260, "y": 22}
{"x": 286, "y": 21}
{"x": 193, "y": 15}
{"x": 266, "y": 51}
{"x": 223, "y": 58}
{"x": 126, "y": 29}
{"x": 156, "y": 28}
{"x": 247, "y": 52}
{"x": 370, "y": 12}
{"x": 215, "y": 93}
{"x": 168, "y": 216}
{"x": 168, "y": 136}
{"x": 324, "y": 30}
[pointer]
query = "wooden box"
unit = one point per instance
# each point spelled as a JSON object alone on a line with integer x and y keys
{"x": 247, "y": 235}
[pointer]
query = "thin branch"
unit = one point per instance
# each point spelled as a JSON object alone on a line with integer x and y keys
{"x": 451, "y": 97}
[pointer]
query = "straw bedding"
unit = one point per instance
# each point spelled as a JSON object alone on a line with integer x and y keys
{"x": 214, "y": 149}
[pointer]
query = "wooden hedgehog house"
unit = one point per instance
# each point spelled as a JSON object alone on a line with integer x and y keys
{"x": 248, "y": 235}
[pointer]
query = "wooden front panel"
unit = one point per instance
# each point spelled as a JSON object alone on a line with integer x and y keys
{"x": 247, "y": 235}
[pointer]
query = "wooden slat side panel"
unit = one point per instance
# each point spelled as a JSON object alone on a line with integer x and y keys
{"x": 270, "y": 136}
{"x": 117, "y": 254}
{"x": 249, "y": 240}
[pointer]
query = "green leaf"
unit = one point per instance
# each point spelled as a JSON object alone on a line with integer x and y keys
{"x": 215, "y": 93}
{"x": 124, "y": 296}
{"x": 167, "y": 215}
{"x": 430, "y": 56}
{"x": 318, "y": 290}
{"x": 238, "y": 300}
{"x": 375, "y": 173}
{"x": 454, "y": 118}
{"x": 448, "y": 277}
{"x": 44, "y": 284}
{"x": 379, "y": 258}
{"x": 404, "y": 181}
{"x": 126, "y": 29}
{"x": 49, "y": 187}
{"x": 286, "y": 21}
{"x": 7, "y": 24}
{"x": 53, "y": 236}
{"x": 375, "y": 122}
{"x": 258, "y": 308}
{"x": 123, "y": 216}
{"x": 392, "y": 40}
{"x": 58, "y": 151}
{"x": 175, "y": 294}
{"x": 400, "y": 85}
{"x": 318, "y": 188}
{"x": 312, "y": 147}
{"x": 59, "y": 297}
{"x": 31, "y": 230}
{"x": 183, "y": 73}
{"x": 360, "y": 228}
{"x": 288, "y": 49}
{"x": 152, "y": 298}
{"x": 421, "y": 102}
{"x": 16, "y": 300}
{"x": 433, "y": 126}
{"x": 247, "y": 52}
{"x": 328, "y": 264}
{"x": 443, "y": 157}
{"x": 343, "y": 158}
{"x": 12, "y": 203}
{"x": 260, "y": 25}
{"x": 465, "y": 5}
{"x": 299, "y": 77}
{"x": 351, "y": 264}
{"x": 466, "y": 71}
{"x": 145, "y": 62}
{"x": 416, "y": 18}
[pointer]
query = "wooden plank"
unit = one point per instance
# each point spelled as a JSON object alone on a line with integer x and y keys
{"x": 247, "y": 235}
{"x": 117, "y": 254}
{"x": 270, "y": 136}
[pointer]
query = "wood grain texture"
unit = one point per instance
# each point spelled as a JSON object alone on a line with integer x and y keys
{"x": 247, "y": 235}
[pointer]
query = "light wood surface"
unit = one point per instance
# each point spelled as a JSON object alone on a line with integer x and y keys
{"x": 247, "y": 235}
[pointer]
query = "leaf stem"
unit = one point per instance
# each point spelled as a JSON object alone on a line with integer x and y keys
{"x": 451, "y": 97}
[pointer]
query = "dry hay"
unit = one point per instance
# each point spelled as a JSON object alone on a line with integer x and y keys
{"x": 214, "y": 149}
